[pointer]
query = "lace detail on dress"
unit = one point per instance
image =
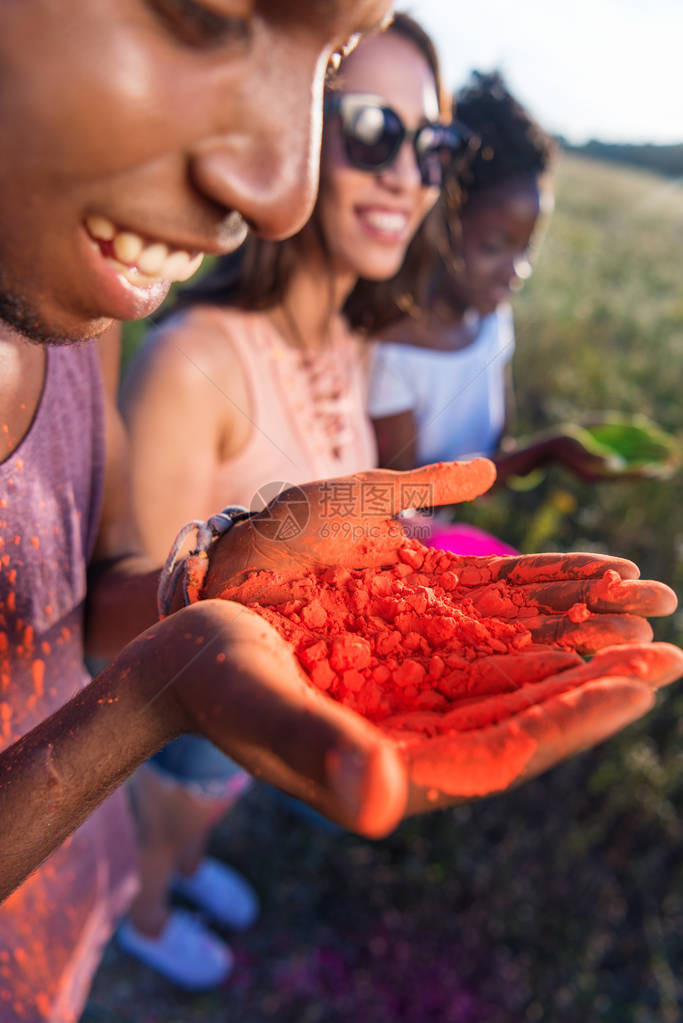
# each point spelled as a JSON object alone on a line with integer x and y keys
{"x": 317, "y": 389}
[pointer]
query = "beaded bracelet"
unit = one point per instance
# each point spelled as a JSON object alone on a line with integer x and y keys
{"x": 195, "y": 565}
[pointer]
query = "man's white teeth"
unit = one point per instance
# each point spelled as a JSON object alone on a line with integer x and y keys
{"x": 384, "y": 220}
{"x": 152, "y": 259}
{"x": 179, "y": 266}
{"x": 128, "y": 246}
{"x": 100, "y": 227}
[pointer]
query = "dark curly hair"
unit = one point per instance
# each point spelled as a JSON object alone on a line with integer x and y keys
{"x": 511, "y": 144}
{"x": 508, "y": 146}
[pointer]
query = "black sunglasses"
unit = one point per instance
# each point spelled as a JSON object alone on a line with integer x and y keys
{"x": 373, "y": 133}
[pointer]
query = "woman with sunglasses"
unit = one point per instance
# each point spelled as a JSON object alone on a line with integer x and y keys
{"x": 259, "y": 379}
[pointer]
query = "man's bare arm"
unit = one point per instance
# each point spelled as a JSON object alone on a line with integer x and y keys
{"x": 217, "y": 669}
{"x": 55, "y": 775}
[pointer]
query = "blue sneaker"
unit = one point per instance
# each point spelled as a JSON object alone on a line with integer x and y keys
{"x": 186, "y": 952}
{"x": 220, "y": 892}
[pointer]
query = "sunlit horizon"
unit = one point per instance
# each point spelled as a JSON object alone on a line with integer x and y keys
{"x": 608, "y": 69}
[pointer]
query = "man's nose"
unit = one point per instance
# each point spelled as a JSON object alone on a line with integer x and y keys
{"x": 268, "y": 171}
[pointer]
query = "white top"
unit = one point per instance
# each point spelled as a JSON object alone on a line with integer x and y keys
{"x": 457, "y": 397}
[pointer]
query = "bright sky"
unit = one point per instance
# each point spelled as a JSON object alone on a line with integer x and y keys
{"x": 608, "y": 69}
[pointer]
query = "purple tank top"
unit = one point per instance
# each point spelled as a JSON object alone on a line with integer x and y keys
{"x": 52, "y": 928}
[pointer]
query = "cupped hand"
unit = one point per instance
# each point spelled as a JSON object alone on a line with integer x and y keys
{"x": 237, "y": 682}
{"x": 349, "y": 521}
{"x": 525, "y": 712}
{"x": 578, "y": 601}
{"x": 232, "y": 678}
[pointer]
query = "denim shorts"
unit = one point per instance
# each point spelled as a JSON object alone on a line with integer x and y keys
{"x": 193, "y": 761}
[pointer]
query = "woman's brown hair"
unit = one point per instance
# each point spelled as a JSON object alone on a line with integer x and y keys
{"x": 257, "y": 276}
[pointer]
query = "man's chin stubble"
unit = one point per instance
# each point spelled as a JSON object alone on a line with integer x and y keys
{"x": 22, "y": 318}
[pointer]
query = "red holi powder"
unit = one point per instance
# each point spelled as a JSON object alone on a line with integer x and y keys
{"x": 578, "y": 613}
{"x": 399, "y": 640}
{"x": 408, "y": 648}
{"x": 435, "y": 653}
{"x": 396, "y": 640}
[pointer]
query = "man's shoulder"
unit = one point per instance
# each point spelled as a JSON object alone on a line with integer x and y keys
{"x": 23, "y": 368}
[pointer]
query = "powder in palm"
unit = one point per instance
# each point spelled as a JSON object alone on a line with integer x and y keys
{"x": 404, "y": 645}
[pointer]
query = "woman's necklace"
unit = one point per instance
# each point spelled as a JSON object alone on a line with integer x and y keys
{"x": 327, "y": 379}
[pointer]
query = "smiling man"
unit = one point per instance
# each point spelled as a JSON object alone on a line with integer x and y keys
{"x": 137, "y": 136}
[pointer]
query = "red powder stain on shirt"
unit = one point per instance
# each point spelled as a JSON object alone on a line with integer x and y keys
{"x": 35, "y": 541}
{"x": 28, "y": 639}
{"x": 5, "y": 718}
{"x": 43, "y": 1003}
{"x": 38, "y": 672}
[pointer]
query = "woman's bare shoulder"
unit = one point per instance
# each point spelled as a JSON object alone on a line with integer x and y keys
{"x": 192, "y": 356}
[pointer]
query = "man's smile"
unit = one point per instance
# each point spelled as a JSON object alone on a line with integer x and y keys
{"x": 141, "y": 261}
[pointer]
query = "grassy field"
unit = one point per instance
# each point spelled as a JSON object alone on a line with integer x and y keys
{"x": 562, "y": 901}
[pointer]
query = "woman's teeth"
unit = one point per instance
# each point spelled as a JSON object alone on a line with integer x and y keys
{"x": 386, "y": 220}
{"x": 140, "y": 261}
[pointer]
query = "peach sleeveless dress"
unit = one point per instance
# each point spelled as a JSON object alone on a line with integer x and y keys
{"x": 308, "y": 411}
{"x": 308, "y": 422}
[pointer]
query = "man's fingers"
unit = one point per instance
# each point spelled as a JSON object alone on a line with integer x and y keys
{"x": 587, "y": 637}
{"x": 500, "y": 740}
{"x": 432, "y": 485}
{"x": 490, "y": 759}
{"x": 500, "y": 673}
{"x": 532, "y": 569}
{"x": 579, "y": 718}
{"x": 644, "y": 597}
{"x": 657, "y": 664}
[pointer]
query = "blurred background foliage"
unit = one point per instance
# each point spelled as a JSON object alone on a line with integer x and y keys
{"x": 561, "y": 901}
